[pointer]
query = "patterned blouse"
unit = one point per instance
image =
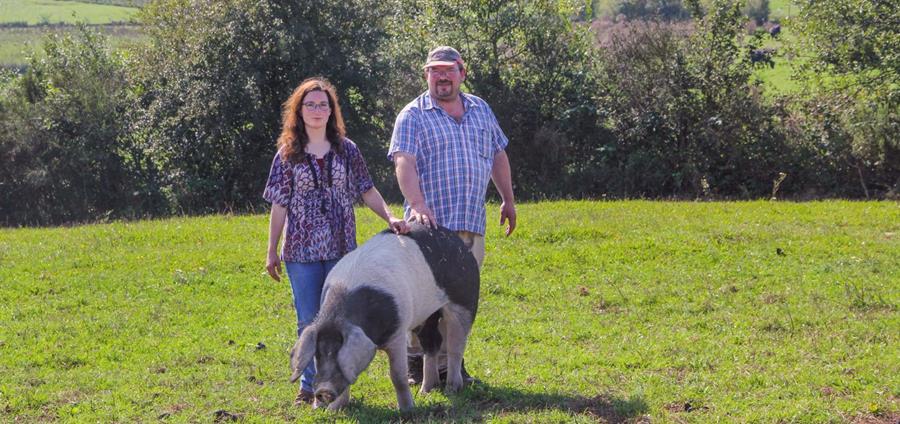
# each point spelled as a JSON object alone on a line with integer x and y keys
{"x": 321, "y": 224}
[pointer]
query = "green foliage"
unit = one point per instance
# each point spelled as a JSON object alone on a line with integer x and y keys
{"x": 653, "y": 9}
{"x": 189, "y": 123}
{"x": 533, "y": 63}
{"x": 40, "y": 12}
{"x": 688, "y": 121}
{"x": 213, "y": 80}
{"x": 617, "y": 311}
{"x": 758, "y": 10}
{"x": 852, "y": 37}
{"x": 854, "y": 69}
{"x": 62, "y": 137}
{"x": 838, "y": 141}
{"x": 17, "y": 44}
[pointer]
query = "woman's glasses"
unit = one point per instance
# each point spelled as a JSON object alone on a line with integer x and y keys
{"x": 312, "y": 107}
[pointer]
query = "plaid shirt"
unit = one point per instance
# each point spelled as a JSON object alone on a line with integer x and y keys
{"x": 453, "y": 160}
{"x": 321, "y": 224}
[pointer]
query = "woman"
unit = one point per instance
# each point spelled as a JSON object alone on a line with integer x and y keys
{"x": 315, "y": 177}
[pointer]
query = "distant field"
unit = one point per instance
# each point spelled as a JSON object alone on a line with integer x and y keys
{"x": 778, "y": 9}
{"x": 17, "y": 43}
{"x": 129, "y": 3}
{"x": 622, "y": 312}
{"x": 34, "y": 12}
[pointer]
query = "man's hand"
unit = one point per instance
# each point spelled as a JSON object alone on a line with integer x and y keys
{"x": 273, "y": 265}
{"x": 422, "y": 215}
{"x": 508, "y": 211}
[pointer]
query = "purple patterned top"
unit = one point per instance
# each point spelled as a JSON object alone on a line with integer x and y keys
{"x": 321, "y": 224}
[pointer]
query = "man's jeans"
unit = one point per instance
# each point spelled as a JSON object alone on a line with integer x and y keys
{"x": 307, "y": 279}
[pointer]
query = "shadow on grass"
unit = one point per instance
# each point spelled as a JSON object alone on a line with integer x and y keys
{"x": 481, "y": 401}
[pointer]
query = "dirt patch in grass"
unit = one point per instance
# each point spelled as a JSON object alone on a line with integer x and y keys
{"x": 877, "y": 419}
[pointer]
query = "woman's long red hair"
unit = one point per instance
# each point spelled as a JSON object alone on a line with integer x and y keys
{"x": 293, "y": 138}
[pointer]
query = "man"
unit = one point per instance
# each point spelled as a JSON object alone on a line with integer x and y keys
{"x": 446, "y": 145}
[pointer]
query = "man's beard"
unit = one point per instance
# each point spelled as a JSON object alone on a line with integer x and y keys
{"x": 444, "y": 91}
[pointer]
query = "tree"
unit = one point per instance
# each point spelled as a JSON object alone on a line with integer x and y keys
{"x": 532, "y": 62}
{"x": 62, "y": 137}
{"x": 855, "y": 68}
{"x": 215, "y": 76}
{"x": 687, "y": 118}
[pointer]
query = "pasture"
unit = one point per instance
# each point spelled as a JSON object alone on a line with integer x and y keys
{"x": 25, "y": 23}
{"x": 17, "y": 43}
{"x": 629, "y": 311}
{"x": 33, "y": 12}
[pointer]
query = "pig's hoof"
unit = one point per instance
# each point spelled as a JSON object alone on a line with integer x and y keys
{"x": 453, "y": 387}
{"x": 425, "y": 389}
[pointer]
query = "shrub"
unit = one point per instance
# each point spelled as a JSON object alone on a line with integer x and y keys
{"x": 533, "y": 63}
{"x": 687, "y": 118}
{"x": 215, "y": 76}
{"x": 62, "y": 137}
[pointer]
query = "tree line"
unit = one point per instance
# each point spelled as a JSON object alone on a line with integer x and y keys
{"x": 187, "y": 122}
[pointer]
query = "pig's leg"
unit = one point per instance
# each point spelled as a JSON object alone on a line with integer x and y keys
{"x": 459, "y": 323}
{"x": 431, "y": 339}
{"x": 396, "y": 351}
{"x": 341, "y": 401}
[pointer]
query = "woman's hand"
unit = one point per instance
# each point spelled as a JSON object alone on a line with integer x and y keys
{"x": 398, "y": 226}
{"x": 273, "y": 265}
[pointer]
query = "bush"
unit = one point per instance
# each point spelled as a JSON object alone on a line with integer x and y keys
{"x": 687, "y": 119}
{"x": 533, "y": 63}
{"x": 62, "y": 137}
{"x": 758, "y": 10}
{"x": 844, "y": 148}
{"x": 215, "y": 76}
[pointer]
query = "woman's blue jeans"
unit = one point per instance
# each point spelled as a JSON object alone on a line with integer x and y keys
{"x": 307, "y": 279}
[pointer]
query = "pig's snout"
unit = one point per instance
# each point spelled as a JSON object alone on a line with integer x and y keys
{"x": 325, "y": 396}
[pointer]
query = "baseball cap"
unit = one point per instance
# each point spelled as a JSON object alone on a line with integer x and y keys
{"x": 443, "y": 56}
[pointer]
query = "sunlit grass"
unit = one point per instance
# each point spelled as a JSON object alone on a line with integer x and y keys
{"x": 697, "y": 312}
{"x": 34, "y": 12}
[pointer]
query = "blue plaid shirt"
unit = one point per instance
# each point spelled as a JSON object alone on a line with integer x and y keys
{"x": 453, "y": 160}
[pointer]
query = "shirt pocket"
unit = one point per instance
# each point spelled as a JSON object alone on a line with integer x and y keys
{"x": 482, "y": 143}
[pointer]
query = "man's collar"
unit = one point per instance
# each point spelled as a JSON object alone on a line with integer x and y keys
{"x": 428, "y": 102}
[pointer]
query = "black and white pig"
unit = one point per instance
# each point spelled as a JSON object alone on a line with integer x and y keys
{"x": 374, "y": 296}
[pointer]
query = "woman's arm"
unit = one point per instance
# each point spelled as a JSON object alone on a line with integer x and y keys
{"x": 276, "y": 225}
{"x": 375, "y": 202}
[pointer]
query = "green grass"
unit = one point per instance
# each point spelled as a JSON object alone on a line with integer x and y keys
{"x": 16, "y": 44}
{"x": 35, "y": 12}
{"x": 778, "y": 9}
{"x": 616, "y": 311}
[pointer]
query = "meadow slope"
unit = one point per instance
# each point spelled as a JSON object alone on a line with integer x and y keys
{"x": 592, "y": 311}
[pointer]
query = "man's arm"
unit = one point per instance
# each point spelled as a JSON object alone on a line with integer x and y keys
{"x": 501, "y": 174}
{"x": 408, "y": 179}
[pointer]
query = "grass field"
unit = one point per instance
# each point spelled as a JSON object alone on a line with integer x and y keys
{"x": 17, "y": 43}
{"x": 592, "y": 311}
{"x": 778, "y": 9}
{"x": 35, "y": 12}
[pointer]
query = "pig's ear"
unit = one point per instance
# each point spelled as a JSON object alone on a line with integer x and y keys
{"x": 302, "y": 352}
{"x": 356, "y": 353}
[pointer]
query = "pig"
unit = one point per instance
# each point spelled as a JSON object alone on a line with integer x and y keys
{"x": 376, "y": 295}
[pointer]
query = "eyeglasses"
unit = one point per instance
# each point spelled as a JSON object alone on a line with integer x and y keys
{"x": 312, "y": 107}
{"x": 447, "y": 72}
